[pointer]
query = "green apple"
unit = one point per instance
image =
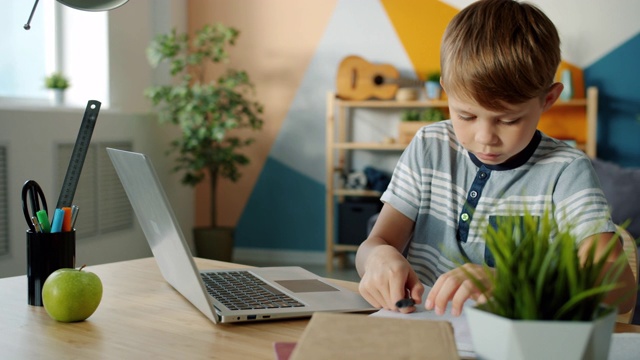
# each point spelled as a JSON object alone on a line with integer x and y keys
{"x": 70, "y": 295}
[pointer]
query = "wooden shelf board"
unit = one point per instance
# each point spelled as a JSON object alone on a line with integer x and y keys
{"x": 343, "y": 247}
{"x": 355, "y": 192}
{"x": 572, "y": 102}
{"x": 370, "y": 146}
{"x": 430, "y": 103}
{"x": 393, "y": 103}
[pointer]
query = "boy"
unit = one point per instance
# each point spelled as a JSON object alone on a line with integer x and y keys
{"x": 498, "y": 61}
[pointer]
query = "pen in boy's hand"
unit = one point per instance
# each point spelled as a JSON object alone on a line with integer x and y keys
{"x": 405, "y": 303}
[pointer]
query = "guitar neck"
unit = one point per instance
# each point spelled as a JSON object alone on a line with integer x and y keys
{"x": 405, "y": 82}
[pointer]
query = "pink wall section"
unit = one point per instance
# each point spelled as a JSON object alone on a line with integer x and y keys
{"x": 277, "y": 41}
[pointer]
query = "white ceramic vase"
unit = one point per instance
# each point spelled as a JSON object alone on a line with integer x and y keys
{"x": 434, "y": 91}
{"x": 567, "y": 81}
{"x": 57, "y": 97}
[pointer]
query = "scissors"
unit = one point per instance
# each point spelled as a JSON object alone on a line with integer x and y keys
{"x": 32, "y": 194}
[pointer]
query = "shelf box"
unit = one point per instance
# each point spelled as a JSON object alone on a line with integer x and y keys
{"x": 353, "y": 217}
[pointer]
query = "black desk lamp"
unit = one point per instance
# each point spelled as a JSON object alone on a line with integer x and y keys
{"x": 85, "y": 5}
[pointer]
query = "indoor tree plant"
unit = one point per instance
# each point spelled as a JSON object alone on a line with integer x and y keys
{"x": 543, "y": 300}
{"x": 208, "y": 113}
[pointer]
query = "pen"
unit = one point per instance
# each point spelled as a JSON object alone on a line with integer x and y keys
{"x": 43, "y": 219}
{"x": 403, "y": 303}
{"x": 58, "y": 218}
{"x": 74, "y": 215}
{"x": 36, "y": 224}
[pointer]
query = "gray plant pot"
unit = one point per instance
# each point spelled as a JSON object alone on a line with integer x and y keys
{"x": 214, "y": 243}
{"x": 495, "y": 337}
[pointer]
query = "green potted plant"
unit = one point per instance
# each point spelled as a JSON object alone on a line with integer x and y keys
{"x": 58, "y": 83}
{"x": 543, "y": 301}
{"x": 432, "y": 85}
{"x": 208, "y": 113}
{"x": 412, "y": 120}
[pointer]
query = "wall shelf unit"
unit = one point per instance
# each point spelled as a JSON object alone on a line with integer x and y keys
{"x": 339, "y": 144}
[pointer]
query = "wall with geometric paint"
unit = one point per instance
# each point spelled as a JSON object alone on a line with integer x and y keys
{"x": 292, "y": 50}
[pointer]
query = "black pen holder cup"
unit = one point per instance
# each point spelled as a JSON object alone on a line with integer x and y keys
{"x": 46, "y": 253}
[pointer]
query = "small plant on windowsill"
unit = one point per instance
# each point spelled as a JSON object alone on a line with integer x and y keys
{"x": 540, "y": 284}
{"x": 58, "y": 83}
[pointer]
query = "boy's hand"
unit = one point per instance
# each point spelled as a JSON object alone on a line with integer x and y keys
{"x": 389, "y": 278}
{"x": 455, "y": 286}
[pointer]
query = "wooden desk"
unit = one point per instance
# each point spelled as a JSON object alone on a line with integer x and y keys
{"x": 140, "y": 316}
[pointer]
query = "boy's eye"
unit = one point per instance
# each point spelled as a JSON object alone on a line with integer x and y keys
{"x": 510, "y": 122}
{"x": 466, "y": 117}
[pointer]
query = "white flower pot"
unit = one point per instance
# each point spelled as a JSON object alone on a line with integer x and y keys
{"x": 496, "y": 338}
{"x": 57, "y": 97}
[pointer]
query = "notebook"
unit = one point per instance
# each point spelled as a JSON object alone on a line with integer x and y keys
{"x": 292, "y": 291}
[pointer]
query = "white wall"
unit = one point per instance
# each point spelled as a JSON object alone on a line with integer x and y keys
{"x": 31, "y": 133}
{"x": 588, "y": 29}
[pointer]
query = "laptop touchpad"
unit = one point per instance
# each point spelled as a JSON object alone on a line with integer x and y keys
{"x": 298, "y": 286}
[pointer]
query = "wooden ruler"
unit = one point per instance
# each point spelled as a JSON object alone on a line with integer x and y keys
{"x": 79, "y": 154}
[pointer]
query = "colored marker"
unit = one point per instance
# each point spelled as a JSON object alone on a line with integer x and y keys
{"x": 43, "y": 218}
{"x": 58, "y": 218}
{"x": 66, "y": 222}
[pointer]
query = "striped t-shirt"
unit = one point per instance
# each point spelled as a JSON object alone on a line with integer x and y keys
{"x": 451, "y": 195}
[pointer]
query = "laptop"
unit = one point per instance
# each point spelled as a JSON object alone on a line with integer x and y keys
{"x": 287, "y": 292}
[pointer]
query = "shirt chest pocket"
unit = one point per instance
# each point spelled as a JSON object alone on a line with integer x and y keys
{"x": 517, "y": 222}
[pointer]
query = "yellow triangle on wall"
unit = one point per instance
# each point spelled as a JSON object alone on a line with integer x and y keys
{"x": 420, "y": 26}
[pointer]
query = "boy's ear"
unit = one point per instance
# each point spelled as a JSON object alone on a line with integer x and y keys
{"x": 552, "y": 95}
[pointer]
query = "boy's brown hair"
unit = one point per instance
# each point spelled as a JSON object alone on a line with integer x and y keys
{"x": 499, "y": 51}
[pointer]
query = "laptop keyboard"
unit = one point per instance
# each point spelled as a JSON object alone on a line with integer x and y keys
{"x": 241, "y": 290}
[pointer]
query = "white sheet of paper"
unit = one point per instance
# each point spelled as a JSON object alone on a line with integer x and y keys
{"x": 460, "y": 327}
{"x": 624, "y": 346}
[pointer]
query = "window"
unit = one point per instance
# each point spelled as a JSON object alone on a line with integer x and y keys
{"x": 61, "y": 39}
{"x": 27, "y": 55}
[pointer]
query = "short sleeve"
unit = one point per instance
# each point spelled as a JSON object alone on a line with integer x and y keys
{"x": 580, "y": 202}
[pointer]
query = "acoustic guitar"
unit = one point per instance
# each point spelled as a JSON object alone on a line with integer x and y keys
{"x": 358, "y": 79}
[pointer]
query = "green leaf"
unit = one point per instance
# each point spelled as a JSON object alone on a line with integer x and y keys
{"x": 538, "y": 273}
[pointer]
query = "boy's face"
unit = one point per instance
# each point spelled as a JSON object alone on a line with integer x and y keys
{"x": 496, "y": 136}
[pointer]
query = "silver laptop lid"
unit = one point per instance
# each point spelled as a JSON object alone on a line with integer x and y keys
{"x": 158, "y": 223}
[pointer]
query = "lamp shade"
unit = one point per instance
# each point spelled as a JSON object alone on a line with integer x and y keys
{"x": 93, "y": 5}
